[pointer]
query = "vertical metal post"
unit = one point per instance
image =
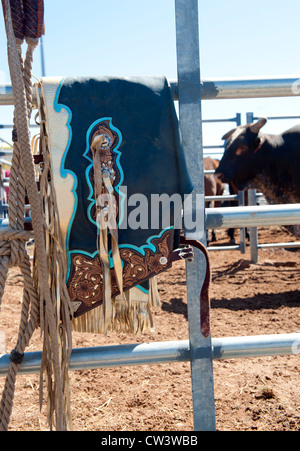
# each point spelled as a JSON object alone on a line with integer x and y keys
{"x": 238, "y": 119}
{"x": 43, "y": 70}
{"x": 241, "y": 203}
{"x": 190, "y": 117}
{"x": 253, "y": 230}
{"x": 252, "y": 201}
{"x": 241, "y": 200}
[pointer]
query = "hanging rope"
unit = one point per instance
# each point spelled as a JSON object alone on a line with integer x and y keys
{"x": 43, "y": 300}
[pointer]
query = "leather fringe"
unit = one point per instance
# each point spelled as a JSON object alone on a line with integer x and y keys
{"x": 131, "y": 313}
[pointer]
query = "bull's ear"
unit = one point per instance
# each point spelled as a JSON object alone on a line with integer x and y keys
{"x": 258, "y": 125}
{"x": 228, "y": 134}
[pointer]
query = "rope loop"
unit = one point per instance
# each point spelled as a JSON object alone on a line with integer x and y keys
{"x": 11, "y": 234}
{"x": 13, "y": 245}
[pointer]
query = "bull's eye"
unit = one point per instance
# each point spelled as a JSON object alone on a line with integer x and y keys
{"x": 241, "y": 150}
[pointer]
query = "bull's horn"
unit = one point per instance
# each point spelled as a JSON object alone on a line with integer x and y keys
{"x": 228, "y": 134}
{"x": 258, "y": 125}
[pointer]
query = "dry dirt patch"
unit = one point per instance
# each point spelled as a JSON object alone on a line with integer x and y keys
{"x": 250, "y": 394}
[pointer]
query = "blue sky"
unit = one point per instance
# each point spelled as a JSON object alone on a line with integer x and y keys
{"x": 238, "y": 38}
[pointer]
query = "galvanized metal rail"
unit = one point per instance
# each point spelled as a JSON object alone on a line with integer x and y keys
{"x": 243, "y": 88}
{"x": 251, "y": 216}
{"x": 165, "y": 352}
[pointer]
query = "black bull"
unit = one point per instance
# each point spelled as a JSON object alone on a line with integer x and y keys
{"x": 269, "y": 163}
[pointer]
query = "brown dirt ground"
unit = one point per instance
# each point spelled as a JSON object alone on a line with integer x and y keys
{"x": 261, "y": 394}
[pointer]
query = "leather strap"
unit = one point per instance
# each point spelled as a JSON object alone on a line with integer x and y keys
{"x": 114, "y": 233}
{"x": 106, "y": 220}
{"x": 204, "y": 295}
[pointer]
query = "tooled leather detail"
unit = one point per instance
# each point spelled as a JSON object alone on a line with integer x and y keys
{"x": 86, "y": 281}
{"x": 142, "y": 267}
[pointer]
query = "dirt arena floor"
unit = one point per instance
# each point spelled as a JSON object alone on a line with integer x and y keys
{"x": 256, "y": 394}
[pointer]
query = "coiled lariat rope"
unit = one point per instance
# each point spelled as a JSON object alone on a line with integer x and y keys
{"x": 45, "y": 299}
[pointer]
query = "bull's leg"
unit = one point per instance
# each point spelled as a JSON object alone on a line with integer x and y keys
{"x": 213, "y": 236}
{"x": 230, "y": 233}
{"x": 247, "y": 235}
{"x": 207, "y": 237}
